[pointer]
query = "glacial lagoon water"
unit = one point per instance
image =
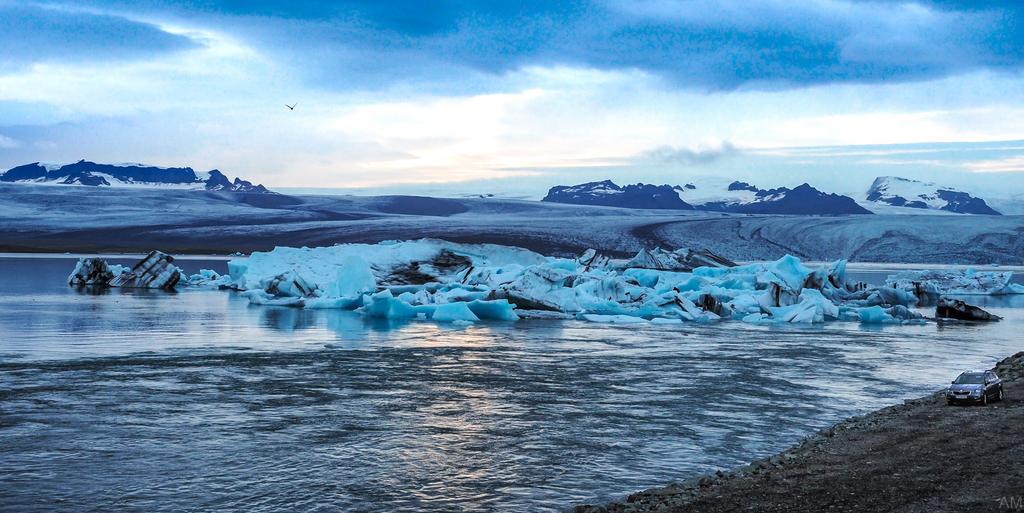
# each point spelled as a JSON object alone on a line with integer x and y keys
{"x": 154, "y": 401}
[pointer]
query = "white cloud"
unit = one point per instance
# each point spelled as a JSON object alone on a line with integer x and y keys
{"x": 697, "y": 155}
{"x": 1005, "y": 165}
{"x": 8, "y": 143}
{"x": 221, "y": 74}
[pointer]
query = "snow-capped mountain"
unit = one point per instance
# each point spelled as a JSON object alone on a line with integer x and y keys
{"x": 739, "y": 197}
{"x": 608, "y": 194}
{"x": 802, "y": 199}
{"x": 721, "y": 194}
{"x": 92, "y": 174}
{"x": 904, "y": 192}
{"x": 742, "y": 197}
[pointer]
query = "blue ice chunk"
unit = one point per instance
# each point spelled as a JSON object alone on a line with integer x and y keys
{"x": 354, "y": 278}
{"x": 612, "y": 319}
{"x": 874, "y": 315}
{"x": 498, "y": 309}
{"x": 645, "y": 277}
{"x": 458, "y": 311}
{"x": 564, "y": 264}
{"x": 757, "y": 318}
{"x": 334, "y": 303}
{"x": 237, "y": 268}
{"x": 386, "y": 306}
{"x": 790, "y": 270}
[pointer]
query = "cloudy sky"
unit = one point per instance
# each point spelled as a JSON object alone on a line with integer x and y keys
{"x": 445, "y": 97}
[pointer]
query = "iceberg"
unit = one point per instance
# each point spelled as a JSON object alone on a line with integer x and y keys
{"x": 967, "y": 282}
{"x": 154, "y": 271}
{"x": 93, "y": 272}
{"x": 498, "y": 310}
{"x": 612, "y": 319}
{"x": 289, "y": 284}
{"x": 812, "y": 308}
{"x": 877, "y": 315}
{"x": 957, "y": 309}
{"x": 450, "y": 312}
{"x": 386, "y": 306}
{"x": 208, "y": 278}
{"x": 262, "y": 298}
{"x": 466, "y": 283}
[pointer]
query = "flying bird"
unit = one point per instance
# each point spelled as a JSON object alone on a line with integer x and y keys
{"x": 291, "y": 107}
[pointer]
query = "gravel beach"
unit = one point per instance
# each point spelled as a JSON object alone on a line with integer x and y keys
{"x": 919, "y": 456}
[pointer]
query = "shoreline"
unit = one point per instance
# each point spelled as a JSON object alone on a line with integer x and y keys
{"x": 850, "y": 266}
{"x": 920, "y": 455}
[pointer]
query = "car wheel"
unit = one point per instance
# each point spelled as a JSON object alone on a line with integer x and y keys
{"x": 984, "y": 398}
{"x": 1000, "y": 398}
{"x": 949, "y": 402}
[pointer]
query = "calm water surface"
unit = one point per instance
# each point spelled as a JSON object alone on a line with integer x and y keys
{"x": 152, "y": 401}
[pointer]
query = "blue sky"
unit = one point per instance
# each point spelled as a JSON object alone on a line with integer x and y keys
{"x": 513, "y": 97}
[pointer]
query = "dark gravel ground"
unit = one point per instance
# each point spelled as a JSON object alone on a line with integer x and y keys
{"x": 920, "y": 456}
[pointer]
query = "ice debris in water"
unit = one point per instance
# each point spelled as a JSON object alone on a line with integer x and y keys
{"x": 963, "y": 282}
{"x": 154, "y": 271}
{"x": 93, "y": 272}
{"x": 209, "y": 279}
{"x": 463, "y": 283}
{"x": 948, "y": 308}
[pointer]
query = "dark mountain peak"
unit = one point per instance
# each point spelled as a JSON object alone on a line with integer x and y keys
{"x": 742, "y": 186}
{"x": 805, "y": 191}
{"x": 804, "y": 200}
{"x": 608, "y": 193}
{"x": 604, "y": 183}
{"x": 768, "y": 193}
{"x": 240, "y": 185}
{"x": 964, "y": 203}
{"x": 27, "y": 172}
{"x": 217, "y": 181}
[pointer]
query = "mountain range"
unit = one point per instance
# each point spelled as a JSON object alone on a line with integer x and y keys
{"x": 608, "y": 194}
{"x": 92, "y": 174}
{"x": 737, "y": 197}
{"x": 887, "y": 194}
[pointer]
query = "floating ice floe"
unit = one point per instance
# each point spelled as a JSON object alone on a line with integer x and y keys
{"x": 463, "y": 283}
{"x": 154, "y": 271}
{"x": 955, "y": 282}
{"x": 947, "y": 308}
{"x": 91, "y": 271}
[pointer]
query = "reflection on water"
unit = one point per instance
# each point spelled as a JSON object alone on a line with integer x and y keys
{"x": 143, "y": 400}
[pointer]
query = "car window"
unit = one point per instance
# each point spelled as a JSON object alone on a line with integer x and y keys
{"x": 970, "y": 378}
